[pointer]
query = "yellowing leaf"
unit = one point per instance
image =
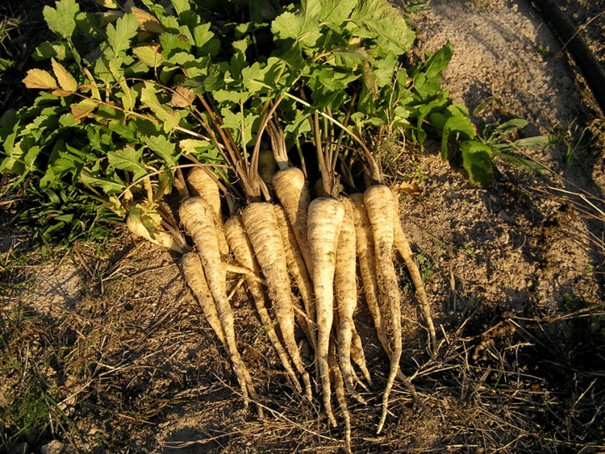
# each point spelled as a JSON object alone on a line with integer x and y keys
{"x": 66, "y": 81}
{"x": 38, "y": 78}
{"x": 62, "y": 93}
{"x": 96, "y": 93}
{"x": 82, "y": 109}
{"x": 412, "y": 188}
{"x": 182, "y": 97}
{"x": 147, "y": 22}
{"x": 190, "y": 146}
{"x": 111, "y": 4}
{"x": 149, "y": 55}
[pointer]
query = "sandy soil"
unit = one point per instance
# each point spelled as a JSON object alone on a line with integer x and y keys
{"x": 131, "y": 365}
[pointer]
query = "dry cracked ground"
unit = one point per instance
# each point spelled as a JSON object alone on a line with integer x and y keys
{"x": 103, "y": 348}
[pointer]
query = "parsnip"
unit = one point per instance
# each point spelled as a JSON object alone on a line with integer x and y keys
{"x": 339, "y": 390}
{"x": 261, "y": 226}
{"x": 380, "y": 206}
{"x": 298, "y": 271}
{"x": 203, "y": 185}
{"x": 345, "y": 286}
{"x": 367, "y": 267}
{"x": 199, "y": 220}
{"x": 293, "y": 193}
{"x": 191, "y": 266}
{"x": 405, "y": 251}
{"x": 324, "y": 221}
{"x": 242, "y": 249}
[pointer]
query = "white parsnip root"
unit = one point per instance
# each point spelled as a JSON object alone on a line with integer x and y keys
{"x": 380, "y": 206}
{"x": 323, "y": 228}
{"x": 198, "y": 219}
{"x": 403, "y": 247}
{"x": 242, "y": 249}
{"x": 345, "y": 287}
{"x": 263, "y": 231}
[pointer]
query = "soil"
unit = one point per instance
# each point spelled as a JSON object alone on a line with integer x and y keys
{"x": 118, "y": 353}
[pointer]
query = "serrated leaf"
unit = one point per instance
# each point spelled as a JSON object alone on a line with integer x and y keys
{"x": 38, "y": 78}
{"x": 149, "y": 54}
{"x": 164, "y": 113}
{"x": 128, "y": 159}
{"x": 386, "y": 23}
{"x": 172, "y": 43}
{"x": 62, "y": 19}
{"x": 240, "y": 124}
{"x": 304, "y": 27}
{"x": 61, "y": 93}
{"x": 146, "y": 21}
{"x": 163, "y": 147}
{"x": 119, "y": 36}
{"x": 128, "y": 96}
{"x": 94, "y": 88}
{"x": 230, "y": 96}
{"x": 477, "y": 161}
{"x": 205, "y": 42}
{"x": 108, "y": 186}
{"x": 58, "y": 49}
{"x": 336, "y": 11}
{"x": 66, "y": 81}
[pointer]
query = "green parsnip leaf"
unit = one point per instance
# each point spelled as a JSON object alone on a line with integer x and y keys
{"x": 62, "y": 19}
{"x": 303, "y": 27}
{"x": 128, "y": 159}
{"x": 477, "y": 161}
{"x": 336, "y": 12}
{"x": 164, "y": 113}
{"x": 387, "y": 23}
{"x": 164, "y": 148}
{"x": 119, "y": 36}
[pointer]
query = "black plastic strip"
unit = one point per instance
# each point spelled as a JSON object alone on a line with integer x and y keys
{"x": 591, "y": 69}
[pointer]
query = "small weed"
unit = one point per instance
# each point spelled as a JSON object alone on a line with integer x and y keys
{"x": 425, "y": 264}
{"x": 544, "y": 49}
{"x": 572, "y": 136}
{"x": 467, "y": 248}
{"x": 412, "y": 6}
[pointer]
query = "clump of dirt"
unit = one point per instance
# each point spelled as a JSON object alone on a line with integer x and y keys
{"x": 106, "y": 350}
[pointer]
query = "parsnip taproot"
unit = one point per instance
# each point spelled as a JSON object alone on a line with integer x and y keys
{"x": 199, "y": 221}
{"x": 298, "y": 271}
{"x": 293, "y": 193}
{"x": 405, "y": 251}
{"x": 341, "y": 398}
{"x": 323, "y": 227}
{"x": 358, "y": 356}
{"x": 244, "y": 254}
{"x": 380, "y": 206}
{"x": 203, "y": 184}
{"x": 345, "y": 288}
{"x": 367, "y": 267}
{"x": 262, "y": 228}
{"x": 193, "y": 272}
